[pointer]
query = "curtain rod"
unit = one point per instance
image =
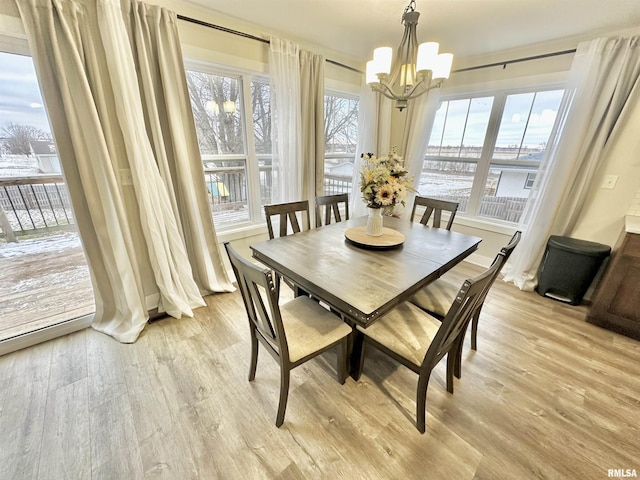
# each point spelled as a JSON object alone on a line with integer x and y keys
{"x": 252, "y": 37}
{"x": 264, "y": 40}
{"x": 516, "y": 60}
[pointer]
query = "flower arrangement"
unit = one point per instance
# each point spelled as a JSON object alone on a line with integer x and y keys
{"x": 384, "y": 182}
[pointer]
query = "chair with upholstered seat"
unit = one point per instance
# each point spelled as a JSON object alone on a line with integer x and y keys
{"x": 292, "y": 333}
{"x": 435, "y": 207}
{"x": 293, "y": 218}
{"x": 419, "y": 341}
{"x": 437, "y": 296}
{"x": 331, "y": 204}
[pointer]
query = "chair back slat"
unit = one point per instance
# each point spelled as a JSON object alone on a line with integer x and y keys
{"x": 331, "y": 204}
{"x": 288, "y": 216}
{"x": 470, "y": 295}
{"x": 436, "y": 207}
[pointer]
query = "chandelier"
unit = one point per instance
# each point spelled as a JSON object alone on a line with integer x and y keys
{"x": 416, "y": 70}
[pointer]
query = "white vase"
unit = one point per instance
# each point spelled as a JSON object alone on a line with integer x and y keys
{"x": 374, "y": 222}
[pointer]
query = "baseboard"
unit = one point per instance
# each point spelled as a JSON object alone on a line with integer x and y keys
{"x": 480, "y": 260}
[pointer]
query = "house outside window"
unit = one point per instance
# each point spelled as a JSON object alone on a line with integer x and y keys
{"x": 484, "y": 150}
{"x": 233, "y": 123}
{"x": 531, "y": 178}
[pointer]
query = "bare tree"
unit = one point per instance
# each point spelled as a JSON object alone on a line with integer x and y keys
{"x": 17, "y": 138}
{"x": 219, "y": 130}
{"x": 261, "y": 108}
{"x": 340, "y": 124}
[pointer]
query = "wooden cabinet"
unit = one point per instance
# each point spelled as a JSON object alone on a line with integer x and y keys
{"x": 616, "y": 305}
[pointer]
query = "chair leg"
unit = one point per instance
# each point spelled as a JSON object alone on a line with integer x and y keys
{"x": 342, "y": 361}
{"x": 421, "y": 402}
{"x": 474, "y": 329}
{"x": 254, "y": 356}
{"x": 456, "y": 350}
{"x": 451, "y": 363}
{"x": 457, "y": 369}
{"x": 284, "y": 394}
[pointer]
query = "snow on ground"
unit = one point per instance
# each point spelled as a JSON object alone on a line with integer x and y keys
{"x": 55, "y": 243}
{"x": 66, "y": 279}
{"x": 25, "y": 220}
{"x": 18, "y": 166}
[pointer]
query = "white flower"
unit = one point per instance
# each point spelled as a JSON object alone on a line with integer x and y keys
{"x": 383, "y": 181}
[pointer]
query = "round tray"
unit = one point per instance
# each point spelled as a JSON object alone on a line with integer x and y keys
{"x": 389, "y": 238}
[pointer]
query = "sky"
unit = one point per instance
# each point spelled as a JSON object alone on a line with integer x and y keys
{"x": 526, "y": 118}
{"x": 21, "y": 103}
{"x": 20, "y": 99}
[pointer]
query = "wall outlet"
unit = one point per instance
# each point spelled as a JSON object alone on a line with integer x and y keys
{"x": 609, "y": 181}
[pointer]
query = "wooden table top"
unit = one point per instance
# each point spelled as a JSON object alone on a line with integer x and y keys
{"x": 365, "y": 284}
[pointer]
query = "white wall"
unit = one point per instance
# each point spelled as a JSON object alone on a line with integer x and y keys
{"x": 602, "y": 217}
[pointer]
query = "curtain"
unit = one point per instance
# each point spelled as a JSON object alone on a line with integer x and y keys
{"x": 415, "y": 140}
{"x": 602, "y": 76}
{"x": 312, "y": 123}
{"x": 374, "y": 133}
{"x": 172, "y": 133}
{"x": 84, "y": 58}
{"x": 284, "y": 79}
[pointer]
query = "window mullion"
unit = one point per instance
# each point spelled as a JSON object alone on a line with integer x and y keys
{"x": 484, "y": 163}
{"x": 253, "y": 173}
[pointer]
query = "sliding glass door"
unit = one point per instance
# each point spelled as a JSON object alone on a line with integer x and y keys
{"x": 44, "y": 278}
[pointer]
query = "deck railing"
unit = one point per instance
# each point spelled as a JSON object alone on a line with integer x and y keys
{"x": 34, "y": 204}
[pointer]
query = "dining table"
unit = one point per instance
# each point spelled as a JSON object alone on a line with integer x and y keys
{"x": 363, "y": 281}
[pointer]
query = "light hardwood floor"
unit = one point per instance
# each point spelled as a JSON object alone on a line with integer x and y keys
{"x": 546, "y": 396}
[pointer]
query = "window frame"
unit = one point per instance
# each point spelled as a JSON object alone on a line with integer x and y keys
{"x": 499, "y": 92}
{"x": 336, "y": 92}
{"x": 244, "y": 77}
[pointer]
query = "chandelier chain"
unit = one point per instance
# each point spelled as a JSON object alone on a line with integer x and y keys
{"x": 409, "y": 8}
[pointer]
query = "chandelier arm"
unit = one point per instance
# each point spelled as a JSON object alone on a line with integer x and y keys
{"x": 386, "y": 91}
{"x": 411, "y": 96}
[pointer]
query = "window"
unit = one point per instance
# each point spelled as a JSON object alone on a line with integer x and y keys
{"x": 236, "y": 154}
{"x": 528, "y": 183}
{"x": 341, "y": 140}
{"x": 484, "y": 151}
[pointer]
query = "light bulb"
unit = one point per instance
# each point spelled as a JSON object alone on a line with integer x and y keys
{"x": 442, "y": 69}
{"x": 427, "y": 53}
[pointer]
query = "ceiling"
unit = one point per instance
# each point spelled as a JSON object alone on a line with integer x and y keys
{"x": 463, "y": 27}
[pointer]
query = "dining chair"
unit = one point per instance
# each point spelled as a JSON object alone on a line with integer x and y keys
{"x": 291, "y": 214}
{"x": 292, "y": 333}
{"x": 436, "y": 207}
{"x": 293, "y": 218}
{"x": 419, "y": 341}
{"x": 331, "y": 204}
{"x": 438, "y": 295}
